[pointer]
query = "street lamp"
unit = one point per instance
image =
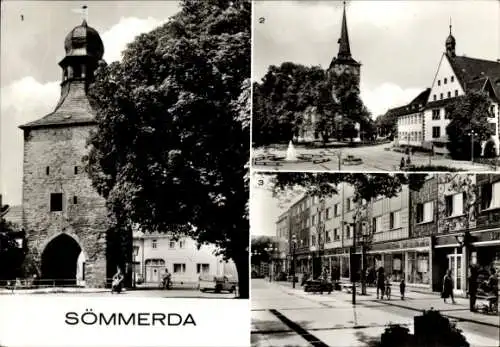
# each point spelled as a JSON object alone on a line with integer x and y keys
{"x": 270, "y": 250}
{"x": 472, "y": 133}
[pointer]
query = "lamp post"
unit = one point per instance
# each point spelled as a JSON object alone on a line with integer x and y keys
{"x": 472, "y": 133}
{"x": 270, "y": 251}
{"x": 353, "y": 252}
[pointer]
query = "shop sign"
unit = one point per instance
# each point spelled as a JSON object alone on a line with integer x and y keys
{"x": 416, "y": 243}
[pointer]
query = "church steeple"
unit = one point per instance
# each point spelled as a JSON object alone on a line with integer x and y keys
{"x": 450, "y": 45}
{"x": 344, "y": 48}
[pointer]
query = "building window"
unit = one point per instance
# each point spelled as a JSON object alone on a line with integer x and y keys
{"x": 436, "y": 114}
{"x": 182, "y": 243}
{"x": 154, "y": 243}
{"x": 76, "y": 170}
{"x": 425, "y": 212}
{"x": 377, "y": 224}
{"x": 456, "y": 92}
{"x": 452, "y": 78}
{"x": 336, "y": 210}
{"x": 328, "y": 236}
{"x": 313, "y": 220}
{"x": 445, "y": 80}
{"x": 313, "y": 239}
{"x": 449, "y": 94}
{"x": 179, "y": 268}
{"x": 336, "y": 236}
{"x": 348, "y": 231}
{"x": 440, "y": 96}
{"x": 454, "y": 204}
{"x": 395, "y": 220}
{"x": 439, "y": 82}
{"x": 492, "y": 112}
{"x": 435, "y": 97}
{"x": 202, "y": 268}
{"x": 348, "y": 203}
{"x": 171, "y": 244}
{"x": 447, "y": 114}
{"x": 436, "y": 132}
{"x": 55, "y": 202}
{"x": 75, "y": 200}
{"x": 47, "y": 170}
{"x": 328, "y": 216}
{"x": 493, "y": 128}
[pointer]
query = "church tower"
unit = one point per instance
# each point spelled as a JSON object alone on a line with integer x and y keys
{"x": 64, "y": 218}
{"x": 450, "y": 45}
{"x": 344, "y": 62}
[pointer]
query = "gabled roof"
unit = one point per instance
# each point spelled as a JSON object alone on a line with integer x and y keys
{"x": 416, "y": 105}
{"x": 471, "y": 72}
{"x": 73, "y": 108}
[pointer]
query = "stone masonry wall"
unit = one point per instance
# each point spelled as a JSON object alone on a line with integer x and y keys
{"x": 61, "y": 149}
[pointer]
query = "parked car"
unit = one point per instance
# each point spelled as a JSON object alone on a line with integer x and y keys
{"x": 217, "y": 283}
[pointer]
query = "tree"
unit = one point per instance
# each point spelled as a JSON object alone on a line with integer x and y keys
{"x": 468, "y": 113}
{"x": 259, "y": 253}
{"x": 387, "y": 124}
{"x": 171, "y": 150}
{"x": 11, "y": 256}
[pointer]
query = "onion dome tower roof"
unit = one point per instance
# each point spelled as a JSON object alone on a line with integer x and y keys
{"x": 84, "y": 41}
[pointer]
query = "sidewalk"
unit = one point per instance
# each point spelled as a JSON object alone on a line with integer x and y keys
{"x": 416, "y": 301}
{"x": 53, "y": 290}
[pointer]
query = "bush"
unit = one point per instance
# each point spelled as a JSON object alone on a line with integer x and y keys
{"x": 396, "y": 335}
{"x": 433, "y": 168}
{"x": 490, "y": 149}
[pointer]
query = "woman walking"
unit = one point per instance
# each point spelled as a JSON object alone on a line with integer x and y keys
{"x": 381, "y": 282}
{"x": 447, "y": 287}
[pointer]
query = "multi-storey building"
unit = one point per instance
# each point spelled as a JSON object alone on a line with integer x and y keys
{"x": 155, "y": 252}
{"x": 455, "y": 76}
{"x": 452, "y": 221}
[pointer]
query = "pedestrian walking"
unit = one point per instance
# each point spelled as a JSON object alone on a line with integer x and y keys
{"x": 408, "y": 161}
{"x": 380, "y": 282}
{"x": 402, "y": 287}
{"x": 402, "y": 164}
{"x": 472, "y": 288}
{"x": 447, "y": 287}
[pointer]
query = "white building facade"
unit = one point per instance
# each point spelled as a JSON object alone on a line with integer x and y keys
{"x": 155, "y": 252}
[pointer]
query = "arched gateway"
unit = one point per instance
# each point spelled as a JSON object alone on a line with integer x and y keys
{"x": 62, "y": 214}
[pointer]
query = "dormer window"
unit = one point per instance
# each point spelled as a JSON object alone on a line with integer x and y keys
{"x": 435, "y": 97}
{"x": 449, "y": 94}
{"x": 439, "y": 82}
{"x": 441, "y": 96}
{"x": 445, "y": 81}
{"x": 456, "y": 92}
{"x": 452, "y": 78}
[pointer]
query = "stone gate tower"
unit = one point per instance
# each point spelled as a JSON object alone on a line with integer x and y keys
{"x": 64, "y": 218}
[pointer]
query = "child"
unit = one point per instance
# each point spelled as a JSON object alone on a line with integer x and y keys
{"x": 402, "y": 287}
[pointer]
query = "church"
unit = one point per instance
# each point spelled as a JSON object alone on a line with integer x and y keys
{"x": 342, "y": 63}
{"x": 422, "y": 123}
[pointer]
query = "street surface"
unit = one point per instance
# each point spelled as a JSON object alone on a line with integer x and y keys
{"x": 375, "y": 158}
{"x": 282, "y": 316}
{"x": 151, "y": 293}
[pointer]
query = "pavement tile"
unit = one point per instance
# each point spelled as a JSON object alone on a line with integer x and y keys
{"x": 278, "y": 339}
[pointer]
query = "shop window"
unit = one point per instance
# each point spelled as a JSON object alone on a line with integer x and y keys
{"x": 202, "y": 268}
{"x": 418, "y": 268}
{"x": 55, "y": 202}
{"x": 490, "y": 196}
{"x": 395, "y": 220}
{"x": 179, "y": 268}
{"x": 344, "y": 264}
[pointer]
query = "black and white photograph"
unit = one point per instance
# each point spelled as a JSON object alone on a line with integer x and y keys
{"x": 125, "y": 148}
{"x": 376, "y": 85}
{"x": 363, "y": 259}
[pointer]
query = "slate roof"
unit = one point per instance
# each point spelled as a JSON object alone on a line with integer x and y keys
{"x": 472, "y": 73}
{"x": 73, "y": 108}
{"x": 416, "y": 105}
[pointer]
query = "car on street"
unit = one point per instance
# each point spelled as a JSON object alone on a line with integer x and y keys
{"x": 217, "y": 283}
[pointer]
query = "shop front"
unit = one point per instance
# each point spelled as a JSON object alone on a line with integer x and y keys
{"x": 337, "y": 261}
{"x": 409, "y": 259}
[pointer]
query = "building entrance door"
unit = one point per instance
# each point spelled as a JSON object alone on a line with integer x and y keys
{"x": 455, "y": 265}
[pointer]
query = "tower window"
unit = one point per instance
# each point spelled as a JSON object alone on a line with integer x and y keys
{"x": 456, "y": 92}
{"x": 445, "y": 81}
{"x": 441, "y": 96}
{"x": 435, "y": 98}
{"x": 452, "y": 78}
{"x": 47, "y": 170}
{"x": 76, "y": 170}
{"x": 55, "y": 202}
{"x": 449, "y": 94}
{"x": 75, "y": 200}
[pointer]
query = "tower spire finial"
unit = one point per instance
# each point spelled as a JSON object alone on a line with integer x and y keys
{"x": 85, "y": 13}
{"x": 344, "y": 49}
{"x": 450, "y": 25}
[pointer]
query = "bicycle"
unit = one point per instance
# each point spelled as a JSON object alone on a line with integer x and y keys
{"x": 388, "y": 291}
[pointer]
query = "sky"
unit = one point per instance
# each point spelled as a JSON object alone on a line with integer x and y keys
{"x": 398, "y": 43}
{"x": 31, "y": 48}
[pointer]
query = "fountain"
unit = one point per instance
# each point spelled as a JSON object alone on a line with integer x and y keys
{"x": 291, "y": 154}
